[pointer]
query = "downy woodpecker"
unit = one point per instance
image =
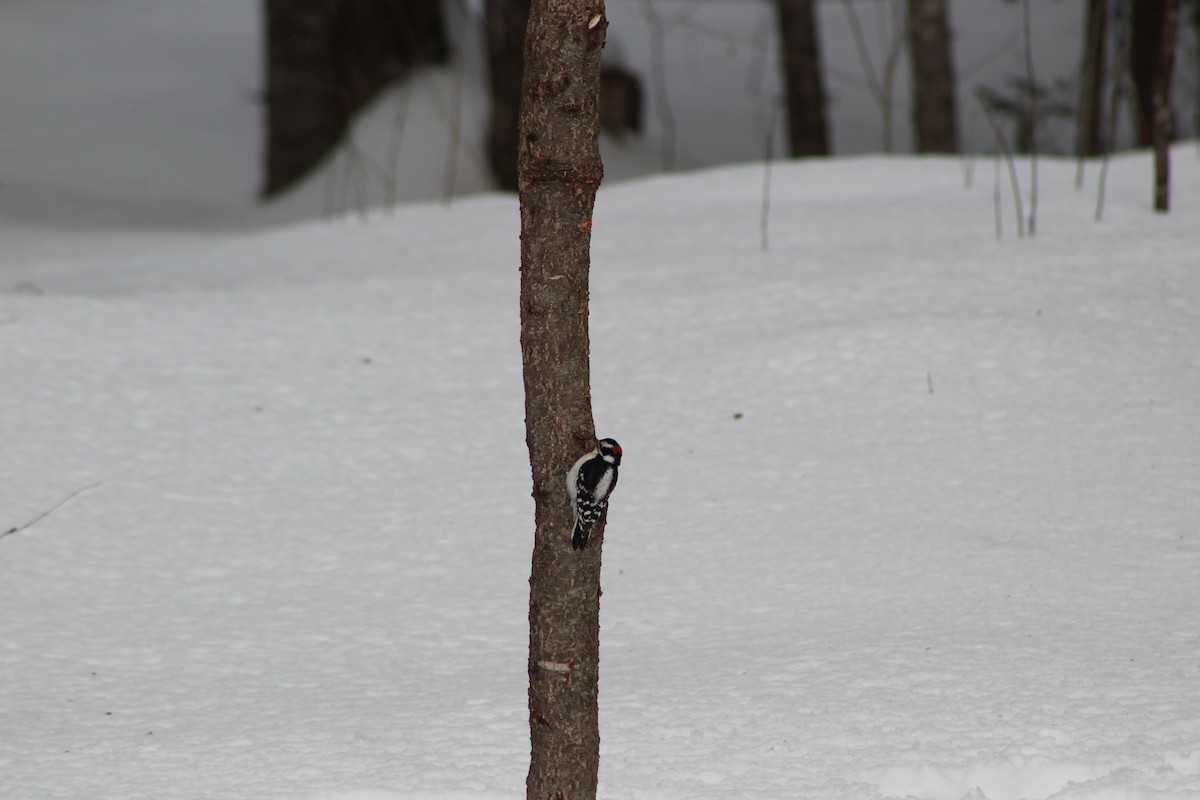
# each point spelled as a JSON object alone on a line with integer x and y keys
{"x": 589, "y": 483}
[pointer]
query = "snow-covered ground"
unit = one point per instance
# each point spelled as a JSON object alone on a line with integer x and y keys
{"x": 905, "y": 511}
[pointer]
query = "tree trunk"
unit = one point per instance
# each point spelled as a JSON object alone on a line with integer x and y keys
{"x": 935, "y": 99}
{"x": 505, "y": 22}
{"x": 328, "y": 58}
{"x": 1091, "y": 107}
{"x": 1160, "y": 105}
{"x": 559, "y": 170}
{"x": 808, "y": 127}
{"x": 1194, "y": 16}
{"x": 1155, "y": 29}
{"x": 1145, "y": 50}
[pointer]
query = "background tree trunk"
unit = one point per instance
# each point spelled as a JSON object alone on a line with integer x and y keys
{"x": 808, "y": 126}
{"x": 1145, "y": 49}
{"x": 328, "y": 58}
{"x": 1194, "y": 17}
{"x": 559, "y": 170}
{"x": 1154, "y": 32}
{"x": 1091, "y": 108}
{"x": 1160, "y": 104}
{"x": 505, "y": 22}
{"x": 935, "y": 98}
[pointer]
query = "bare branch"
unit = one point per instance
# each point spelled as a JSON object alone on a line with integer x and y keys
{"x": 49, "y": 511}
{"x": 879, "y": 85}
{"x": 764, "y": 219}
{"x": 658, "y": 73}
{"x": 1002, "y": 142}
{"x": 1121, "y": 18}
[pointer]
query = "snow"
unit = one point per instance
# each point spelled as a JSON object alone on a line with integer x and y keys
{"x": 935, "y": 536}
{"x": 906, "y": 510}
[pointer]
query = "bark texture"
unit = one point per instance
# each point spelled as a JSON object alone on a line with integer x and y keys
{"x": 328, "y": 58}
{"x": 935, "y": 98}
{"x": 620, "y": 90}
{"x": 559, "y": 170}
{"x": 808, "y": 126}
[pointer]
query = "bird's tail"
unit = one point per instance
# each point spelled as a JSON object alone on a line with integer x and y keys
{"x": 579, "y": 539}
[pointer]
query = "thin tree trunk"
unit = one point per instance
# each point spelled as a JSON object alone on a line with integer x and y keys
{"x": 1033, "y": 117}
{"x": 1091, "y": 107}
{"x": 1145, "y": 51}
{"x": 935, "y": 104}
{"x": 808, "y": 126}
{"x": 1160, "y": 105}
{"x": 505, "y": 23}
{"x": 559, "y": 170}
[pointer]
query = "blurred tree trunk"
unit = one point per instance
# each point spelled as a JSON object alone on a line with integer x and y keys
{"x": 325, "y": 60}
{"x": 1145, "y": 51}
{"x": 505, "y": 26}
{"x": 935, "y": 98}
{"x": 559, "y": 171}
{"x": 1194, "y": 16}
{"x": 1160, "y": 104}
{"x": 808, "y": 127}
{"x": 1155, "y": 30}
{"x": 1091, "y": 108}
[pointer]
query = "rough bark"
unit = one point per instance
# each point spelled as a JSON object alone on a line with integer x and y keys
{"x": 800, "y": 55}
{"x": 620, "y": 89}
{"x": 935, "y": 99}
{"x": 328, "y": 58}
{"x": 1091, "y": 107}
{"x": 559, "y": 170}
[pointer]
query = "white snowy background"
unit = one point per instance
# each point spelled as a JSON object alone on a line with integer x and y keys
{"x": 906, "y": 510}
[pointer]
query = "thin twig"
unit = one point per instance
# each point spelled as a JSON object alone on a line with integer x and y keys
{"x": 1008, "y": 157}
{"x": 454, "y": 140}
{"x": 1114, "y": 107}
{"x": 880, "y": 86}
{"x": 399, "y": 122}
{"x": 889, "y": 75}
{"x": 49, "y": 511}
{"x": 996, "y": 197}
{"x": 764, "y": 219}
{"x": 658, "y": 72}
{"x": 997, "y": 53}
{"x": 359, "y": 181}
{"x": 860, "y": 44}
{"x": 756, "y": 75}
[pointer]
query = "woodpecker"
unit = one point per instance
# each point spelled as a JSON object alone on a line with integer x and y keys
{"x": 590, "y": 481}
